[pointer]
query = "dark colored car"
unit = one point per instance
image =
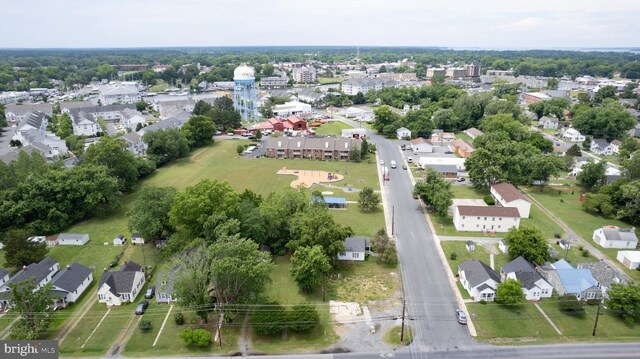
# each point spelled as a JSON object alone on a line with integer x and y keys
{"x": 151, "y": 291}
{"x": 460, "y": 179}
{"x": 404, "y": 167}
{"x": 557, "y": 235}
{"x": 142, "y": 307}
{"x": 461, "y": 317}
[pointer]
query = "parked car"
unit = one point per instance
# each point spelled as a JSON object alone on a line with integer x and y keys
{"x": 461, "y": 317}
{"x": 448, "y": 152}
{"x": 410, "y": 159}
{"x": 557, "y": 235}
{"x": 381, "y": 162}
{"x": 404, "y": 167}
{"x": 151, "y": 291}
{"x": 142, "y": 307}
{"x": 461, "y": 179}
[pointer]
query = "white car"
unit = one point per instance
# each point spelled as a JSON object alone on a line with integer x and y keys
{"x": 381, "y": 162}
{"x": 410, "y": 159}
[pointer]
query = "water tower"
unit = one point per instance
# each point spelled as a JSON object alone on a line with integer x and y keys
{"x": 244, "y": 92}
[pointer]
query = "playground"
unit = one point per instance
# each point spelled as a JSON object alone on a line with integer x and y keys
{"x": 308, "y": 178}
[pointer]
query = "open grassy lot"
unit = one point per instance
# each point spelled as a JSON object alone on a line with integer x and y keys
{"x": 330, "y": 80}
{"x": 464, "y": 191}
{"x": 482, "y": 253}
{"x": 363, "y": 281}
{"x": 363, "y": 224}
{"x": 331, "y": 128}
{"x": 159, "y": 86}
{"x": 77, "y": 337}
{"x": 464, "y": 136}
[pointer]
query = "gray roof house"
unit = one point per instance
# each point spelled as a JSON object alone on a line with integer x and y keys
{"x": 533, "y": 285}
{"x": 479, "y": 280}
{"x": 36, "y": 120}
{"x": 355, "y": 248}
{"x": 70, "y": 283}
{"x": 603, "y": 274}
{"x": 615, "y": 237}
{"x": 134, "y": 143}
{"x": 164, "y": 287}
{"x": 601, "y": 146}
{"x": 569, "y": 280}
{"x": 4, "y": 276}
{"x": 73, "y": 239}
{"x": 172, "y": 122}
{"x": 41, "y": 273}
{"x": 121, "y": 286}
{"x": 548, "y": 122}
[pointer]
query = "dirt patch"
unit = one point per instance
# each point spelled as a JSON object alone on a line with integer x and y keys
{"x": 308, "y": 178}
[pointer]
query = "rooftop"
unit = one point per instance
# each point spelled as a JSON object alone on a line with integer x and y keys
{"x": 488, "y": 211}
{"x": 508, "y": 192}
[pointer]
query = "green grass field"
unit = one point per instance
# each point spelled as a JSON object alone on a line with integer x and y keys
{"x": 331, "y": 128}
{"x": 330, "y": 80}
{"x": 159, "y": 86}
{"x": 481, "y": 253}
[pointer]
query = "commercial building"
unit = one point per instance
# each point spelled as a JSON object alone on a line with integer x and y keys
{"x": 304, "y": 75}
{"x": 112, "y": 94}
{"x": 291, "y": 108}
{"x": 353, "y": 86}
{"x": 326, "y": 148}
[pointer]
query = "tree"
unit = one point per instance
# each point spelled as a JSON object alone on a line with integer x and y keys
{"x": 19, "y": 251}
{"x": 200, "y": 338}
{"x": 384, "y": 247}
{"x": 258, "y": 135}
{"x": 269, "y": 319}
{"x": 574, "y": 151}
{"x": 624, "y": 300}
{"x": 359, "y": 99}
{"x": 354, "y": 155}
{"x": 364, "y": 149}
{"x": 65, "y": 127}
{"x": 537, "y": 108}
{"x": 15, "y": 143}
{"x": 435, "y": 192}
{"x": 604, "y": 93}
{"x": 201, "y": 108}
{"x": 3, "y": 118}
{"x": 195, "y": 205}
{"x": 239, "y": 271}
{"x": 552, "y": 83}
{"x": 192, "y": 280}
{"x": 628, "y": 147}
{"x": 112, "y": 153}
{"x": 145, "y": 325}
{"x": 223, "y": 103}
{"x": 305, "y": 231}
{"x": 165, "y": 145}
{"x": 543, "y": 167}
{"x": 303, "y": 318}
{"x": 309, "y": 266}
{"x": 240, "y": 149}
{"x": 141, "y": 106}
{"x": 30, "y": 305}
{"x": 609, "y": 120}
{"x": 368, "y": 200}
{"x": 386, "y": 120}
{"x": 150, "y": 214}
{"x": 528, "y": 242}
{"x": 630, "y": 196}
{"x": 509, "y": 292}
{"x": 592, "y": 175}
{"x": 598, "y": 203}
{"x": 445, "y": 119}
{"x": 568, "y": 303}
{"x": 632, "y": 166}
{"x": 382, "y": 69}
{"x": 266, "y": 111}
{"x": 199, "y": 131}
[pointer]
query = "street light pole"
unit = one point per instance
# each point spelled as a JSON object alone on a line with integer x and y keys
{"x": 595, "y": 325}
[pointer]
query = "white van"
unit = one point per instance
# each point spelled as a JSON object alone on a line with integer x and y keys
{"x": 393, "y": 164}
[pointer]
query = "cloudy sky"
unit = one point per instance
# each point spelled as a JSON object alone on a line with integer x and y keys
{"x": 497, "y": 24}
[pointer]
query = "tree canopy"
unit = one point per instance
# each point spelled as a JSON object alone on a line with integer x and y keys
{"x": 528, "y": 242}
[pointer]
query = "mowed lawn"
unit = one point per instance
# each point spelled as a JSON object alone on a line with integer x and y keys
{"x": 331, "y": 128}
{"x": 481, "y": 253}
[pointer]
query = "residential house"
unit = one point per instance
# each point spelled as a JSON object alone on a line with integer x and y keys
{"x": 479, "y": 280}
{"x": 568, "y": 280}
{"x": 135, "y": 144}
{"x": 70, "y": 283}
{"x": 403, "y": 133}
{"x": 164, "y": 287}
{"x": 131, "y": 119}
{"x": 571, "y": 134}
{"x": 36, "y": 120}
{"x": 561, "y": 151}
{"x": 355, "y": 249}
{"x": 136, "y": 238}
{"x": 506, "y": 195}
{"x": 325, "y": 148}
{"x": 548, "y": 123}
{"x": 120, "y": 240}
{"x": 421, "y": 145}
{"x": 113, "y": 94}
{"x": 565, "y": 244}
{"x": 73, "y": 239}
{"x": 4, "y": 276}
{"x": 447, "y": 171}
{"x": 533, "y": 285}
{"x": 615, "y": 147}
{"x": 170, "y": 123}
{"x": 353, "y": 86}
{"x": 16, "y": 114}
{"x": 68, "y": 106}
{"x": 473, "y": 132}
{"x": 354, "y": 133}
{"x": 462, "y": 148}
{"x": 52, "y": 241}
{"x": 121, "y": 286}
{"x": 630, "y": 259}
{"x": 14, "y": 153}
{"x": 615, "y": 237}
{"x": 604, "y": 275}
{"x": 84, "y": 124}
{"x": 485, "y": 219}
{"x": 48, "y": 144}
{"x": 601, "y": 146}
{"x": 110, "y": 113}
{"x": 439, "y": 136}
{"x": 41, "y": 273}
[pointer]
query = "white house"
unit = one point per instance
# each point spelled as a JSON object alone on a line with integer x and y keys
{"x": 470, "y": 246}
{"x": 70, "y": 283}
{"x": 503, "y": 246}
{"x": 403, "y": 133}
{"x": 533, "y": 285}
{"x": 73, "y": 239}
{"x": 483, "y": 218}
{"x": 41, "y": 273}
{"x": 548, "y": 123}
{"x": 120, "y": 240}
{"x": 421, "y": 145}
{"x": 479, "y": 280}
{"x": 121, "y": 286}
{"x": 4, "y": 276}
{"x": 118, "y": 94}
{"x": 354, "y": 133}
{"x": 84, "y": 124}
{"x": 473, "y": 132}
{"x": 615, "y": 237}
{"x": 604, "y": 275}
{"x": 291, "y": 108}
{"x": 164, "y": 287}
{"x": 355, "y": 249}
{"x": 134, "y": 143}
{"x": 615, "y": 147}
{"x": 601, "y": 146}
{"x": 630, "y": 259}
{"x": 506, "y": 195}
{"x": 131, "y": 119}
{"x": 136, "y": 238}
{"x": 573, "y": 135}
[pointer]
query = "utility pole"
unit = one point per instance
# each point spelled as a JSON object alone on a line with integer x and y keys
{"x": 404, "y": 302}
{"x": 144, "y": 257}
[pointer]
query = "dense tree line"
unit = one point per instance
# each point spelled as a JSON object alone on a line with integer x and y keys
{"x": 606, "y": 118}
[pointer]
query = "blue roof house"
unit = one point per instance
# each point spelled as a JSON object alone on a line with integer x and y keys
{"x": 568, "y": 280}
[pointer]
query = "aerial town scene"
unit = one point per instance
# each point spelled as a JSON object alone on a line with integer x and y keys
{"x": 357, "y": 180}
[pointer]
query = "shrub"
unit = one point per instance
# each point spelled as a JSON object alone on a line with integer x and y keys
{"x": 269, "y": 319}
{"x": 178, "y": 318}
{"x": 570, "y": 304}
{"x": 453, "y": 256}
{"x": 561, "y": 200}
{"x": 240, "y": 149}
{"x": 196, "y": 337}
{"x": 303, "y": 318}
{"x": 145, "y": 325}
{"x": 483, "y": 301}
{"x": 593, "y": 301}
{"x": 585, "y": 253}
{"x": 489, "y": 200}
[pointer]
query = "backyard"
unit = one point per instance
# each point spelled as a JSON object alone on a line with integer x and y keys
{"x": 331, "y": 128}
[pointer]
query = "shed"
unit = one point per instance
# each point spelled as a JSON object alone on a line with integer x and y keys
{"x": 630, "y": 259}
{"x": 120, "y": 240}
{"x": 136, "y": 238}
{"x": 471, "y": 246}
{"x": 73, "y": 239}
{"x": 336, "y": 202}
